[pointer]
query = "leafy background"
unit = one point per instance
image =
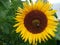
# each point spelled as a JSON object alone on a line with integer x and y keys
{"x": 8, "y": 36}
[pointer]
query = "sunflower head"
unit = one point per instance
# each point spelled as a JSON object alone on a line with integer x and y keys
{"x": 36, "y": 22}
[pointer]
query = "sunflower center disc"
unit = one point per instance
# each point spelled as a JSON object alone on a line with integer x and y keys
{"x": 35, "y": 21}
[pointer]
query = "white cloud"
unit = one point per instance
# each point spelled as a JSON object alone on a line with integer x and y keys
{"x": 54, "y": 1}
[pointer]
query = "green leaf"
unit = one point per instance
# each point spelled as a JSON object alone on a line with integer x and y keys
{"x": 4, "y": 4}
{"x": 4, "y": 43}
{"x": 55, "y": 15}
{"x": 1, "y": 43}
{"x": 8, "y": 9}
{"x": 49, "y": 42}
{"x": 16, "y": 4}
{"x": 5, "y": 28}
{"x": 58, "y": 32}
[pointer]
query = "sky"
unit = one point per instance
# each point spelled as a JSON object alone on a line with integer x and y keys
{"x": 56, "y": 6}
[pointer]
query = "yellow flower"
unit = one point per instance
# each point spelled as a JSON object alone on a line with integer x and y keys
{"x": 36, "y": 22}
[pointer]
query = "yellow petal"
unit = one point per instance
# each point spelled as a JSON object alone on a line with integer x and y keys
{"x": 46, "y": 7}
{"x": 16, "y": 25}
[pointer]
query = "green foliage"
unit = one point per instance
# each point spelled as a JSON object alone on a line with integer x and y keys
{"x": 58, "y": 32}
{"x": 8, "y": 36}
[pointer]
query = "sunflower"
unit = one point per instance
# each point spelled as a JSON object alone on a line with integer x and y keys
{"x": 36, "y": 22}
